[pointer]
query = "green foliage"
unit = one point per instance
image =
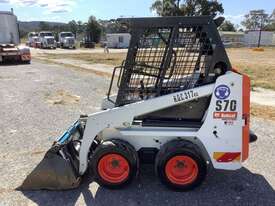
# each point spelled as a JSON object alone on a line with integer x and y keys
{"x": 113, "y": 27}
{"x": 271, "y": 25}
{"x": 44, "y": 26}
{"x": 73, "y": 27}
{"x": 93, "y": 30}
{"x": 255, "y": 20}
{"x": 187, "y": 7}
{"x": 227, "y": 26}
{"x": 80, "y": 27}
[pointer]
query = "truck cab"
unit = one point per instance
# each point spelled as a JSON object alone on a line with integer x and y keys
{"x": 47, "y": 40}
{"x": 67, "y": 40}
{"x": 10, "y": 41}
{"x": 33, "y": 39}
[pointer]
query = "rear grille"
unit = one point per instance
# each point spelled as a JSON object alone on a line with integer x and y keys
{"x": 71, "y": 41}
{"x": 50, "y": 41}
{"x": 166, "y": 60}
{"x": 168, "y": 55}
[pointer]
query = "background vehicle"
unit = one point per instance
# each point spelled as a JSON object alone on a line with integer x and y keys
{"x": 46, "y": 38}
{"x": 9, "y": 40}
{"x": 87, "y": 43}
{"x": 33, "y": 40}
{"x": 179, "y": 105}
{"x": 67, "y": 40}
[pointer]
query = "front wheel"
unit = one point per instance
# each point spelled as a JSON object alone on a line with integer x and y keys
{"x": 27, "y": 62}
{"x": 114, "y": 163}
{"x": 180, "y": 166}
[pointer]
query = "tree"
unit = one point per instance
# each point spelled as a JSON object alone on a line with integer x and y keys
{"x": 113, "y": 26}
{"x": 271, "y": 24}
{"x": 93, "y": 29}
{"x": 167, "y": 7}
{"x": 255, "y": 20}
{"x": 73, "y": 27}
{"x": 187, "y": 7}
{"x": 44, "y": 26}
{"x": 227, "y": 26}
{"x": 80, "y": 27}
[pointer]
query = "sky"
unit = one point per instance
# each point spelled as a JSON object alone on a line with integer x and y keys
{"x": 66, "y": 10}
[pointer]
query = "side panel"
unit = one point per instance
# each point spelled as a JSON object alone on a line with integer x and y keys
{"x": 222, "y": 130}
{"x": 9, "y": 33}
{"x": 246, "y": 116}
{"x": 222, "y": 133}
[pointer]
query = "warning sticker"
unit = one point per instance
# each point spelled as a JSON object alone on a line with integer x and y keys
{"x": 225, "y": 115}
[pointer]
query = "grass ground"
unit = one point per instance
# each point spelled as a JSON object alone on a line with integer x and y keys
{"x": 113, "y": 59}
{"x": 259, "y": 65}
{"x": 265, "y": 112}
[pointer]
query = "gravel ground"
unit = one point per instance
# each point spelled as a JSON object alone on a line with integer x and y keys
{"x": 29, "y": 123}
{"x": 35, "y": 51}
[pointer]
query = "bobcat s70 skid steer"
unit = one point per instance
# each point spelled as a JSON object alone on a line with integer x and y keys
{"x": 179, "y": 105}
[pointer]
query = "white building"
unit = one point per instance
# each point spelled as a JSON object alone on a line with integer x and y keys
{"x": 251, "y": 38}
{"x": 118, "y": 40}
{"x": 232, "y": 39}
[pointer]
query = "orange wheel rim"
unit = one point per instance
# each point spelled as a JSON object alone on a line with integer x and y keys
{"x": 181, "y": 170}
{"x": 113, "y": 168}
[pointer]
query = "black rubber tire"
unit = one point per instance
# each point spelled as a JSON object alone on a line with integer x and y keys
{"x": 122, "y": 148}
{"x": 180, "y": 147}
{"x": 27, "y": 62}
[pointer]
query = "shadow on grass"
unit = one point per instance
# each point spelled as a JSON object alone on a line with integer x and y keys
{"x": 220, "y": 188}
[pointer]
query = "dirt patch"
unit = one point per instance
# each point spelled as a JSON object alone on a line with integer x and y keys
{"x": 38, "y": 152}
{"x": 95, "y": 58}
{"x": 7, "y": 78}
{"x": 262, "y": 96}
{"x": 79, "y": 67}
{"x": 3, "y": 190}
{"x": 62, "y": 97}
{"x": 259, "y": 66}
{"x": 265, "y": 112}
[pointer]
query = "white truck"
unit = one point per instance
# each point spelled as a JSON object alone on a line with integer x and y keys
{"x": 33, "y": 40}
{"x": 9, "y": 40}
{"x": 67, "y": 40}
{"x": 46, "y": 39}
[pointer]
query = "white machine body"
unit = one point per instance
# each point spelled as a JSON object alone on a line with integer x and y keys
{"x": 221, "y": 137}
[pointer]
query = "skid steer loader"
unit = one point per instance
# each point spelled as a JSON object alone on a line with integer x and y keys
{"x": 179, "y": 105}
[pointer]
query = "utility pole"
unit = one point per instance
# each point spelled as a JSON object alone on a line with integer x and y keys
{"x": 260, "y": 15}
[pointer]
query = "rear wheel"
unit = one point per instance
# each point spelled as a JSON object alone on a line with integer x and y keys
{"x": 27, "y": 62}
{"x": 180, "y": 165}
{"x": 114, "y": 163}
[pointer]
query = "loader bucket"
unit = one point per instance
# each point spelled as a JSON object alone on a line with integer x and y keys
{"x": 52, "y": 173}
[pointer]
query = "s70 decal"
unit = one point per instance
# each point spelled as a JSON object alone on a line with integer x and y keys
{"x": 226, "y": 105}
